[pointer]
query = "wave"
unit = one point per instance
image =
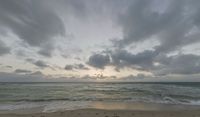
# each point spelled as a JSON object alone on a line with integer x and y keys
{"x": 162, "y": 100}
{"x": 19, "y": 94}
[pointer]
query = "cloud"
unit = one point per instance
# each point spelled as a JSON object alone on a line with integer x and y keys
{"x": 30, "y": 60}
{"x": 38, "y": 26}
{"x": 16, "y": 77}
{"x": 8, "y": 66}
{"x": 39, "y": 77}
{"x": 41, "y": 64}
{"x": 143, "y": 60}
{"x": 38, "y": 63}
{"x": 175, "y": 24}
{"x": 158, "y": 64}
{"x": 81, "y": 67}
{"x": 22, "y": 71}
{"x": 179, "y": 64}
{"x": 99, "y": 60}
{"x": 34, "y": 22}
{"x": 46, "y": 50}
{"x": 3, "y": 48}
{"x": 20, "y": 53}
{"x": 37, "y": 73}
{"x": 76, "y": 67}
{"x": 69, "y": 67}
{"x": 134, "y": 78}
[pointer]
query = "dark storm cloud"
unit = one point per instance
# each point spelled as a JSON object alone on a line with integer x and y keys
{"x": 99, "y": 60}
{"x": 76, "y": 67}
{"x": 3, "y": 48}
{"x": 22, "y": 71}
{"x": 32, "y": 21}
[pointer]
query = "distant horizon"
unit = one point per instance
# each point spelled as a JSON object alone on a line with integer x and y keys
{"x": 126, "y": 82}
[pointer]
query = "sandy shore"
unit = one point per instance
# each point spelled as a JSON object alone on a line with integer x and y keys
{"x": 110, "y": 113}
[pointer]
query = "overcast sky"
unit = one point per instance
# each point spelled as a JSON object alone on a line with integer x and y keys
{"x": 99, "y": 40}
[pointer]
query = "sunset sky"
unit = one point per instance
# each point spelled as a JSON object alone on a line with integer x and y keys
{"x": 99, "y": 40}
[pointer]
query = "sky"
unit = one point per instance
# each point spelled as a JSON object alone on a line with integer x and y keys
{"x": 99, "y": 40}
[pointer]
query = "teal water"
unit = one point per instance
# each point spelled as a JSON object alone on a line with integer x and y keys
{"x": 23, "y": 95}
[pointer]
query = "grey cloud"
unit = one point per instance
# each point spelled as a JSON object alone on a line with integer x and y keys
{"x": 99, "y": 60}
{"x": 41, "y": 64}
{"x": 172, "y": 26}
{"x": 37, "y": 73}
{"x": 20, "y": 53}
{"x": 30, "y": 60}
{"x": 78, "y": 7}
{"x": 3, "y": 48}
{"x": 123, "y": 58}
{"x": 143, "y": 60}
{"x": 93, "y": 78}
{"x": 180, "y": 64}
{"x": 46, "y": 50}
{"x": 16, "y": 77}
{"x": 69, "y": 67}
{"x": 81, "y": 67}
{"x": 8, "y": 66}
{"x": 38, "y": 63}
{"x": 133, "y": 78}
{"x": 22, "y": 71}
{"x": 32, "y": 21}
{"x": 39, "y": 77}
{"x": 76, "y": 67}
{"x": 176, "y": 64}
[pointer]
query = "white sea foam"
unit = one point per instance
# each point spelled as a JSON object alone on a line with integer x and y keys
{"x": 19, "y": 105}
{"x": 65, "y": 105}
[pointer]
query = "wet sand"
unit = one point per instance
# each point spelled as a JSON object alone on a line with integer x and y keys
{"x": 110, "y": 113}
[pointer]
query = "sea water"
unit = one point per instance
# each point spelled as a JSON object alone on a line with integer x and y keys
{"x": 63, "y": 96}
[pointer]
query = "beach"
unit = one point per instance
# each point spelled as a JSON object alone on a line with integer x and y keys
{"x": 110, "y": 113}
{"x": 112, "y": 109}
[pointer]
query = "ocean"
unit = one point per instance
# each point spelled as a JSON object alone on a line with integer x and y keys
{"x": 63, "y": 96}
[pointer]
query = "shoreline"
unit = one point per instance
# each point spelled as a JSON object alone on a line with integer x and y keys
{"x": 111, "y": 113}
{"x": 113, "y": 109}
